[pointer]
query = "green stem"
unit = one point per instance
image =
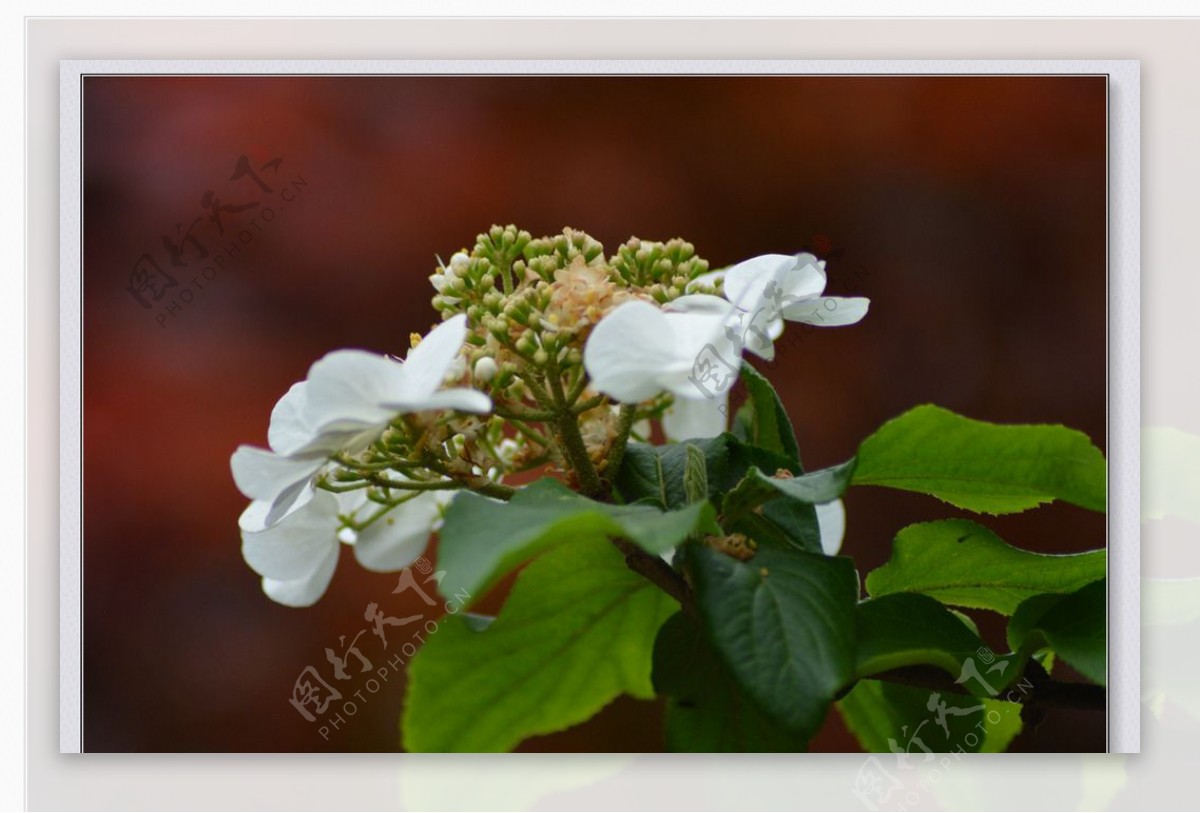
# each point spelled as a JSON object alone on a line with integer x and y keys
{"x": 477, "y": 483}
{"x": 531, "y": 433}
{"x": 413, "y": 485}
{"x": 522, "y": 415}
{"x": 591, "y": 403}
{"x": 358, "y": 485}
{"x": 541, "y": 396}
{"x": 383, "y": 511}
{"x": 570, "y": 439}
{"x": 616, "y": 453}
{"x": 491, "y": 489}
{"x": 577, "y": 388}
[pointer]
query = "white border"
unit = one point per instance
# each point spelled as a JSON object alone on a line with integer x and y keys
{"x": 1124, "y": 394}
{"x": 70, "y": 411}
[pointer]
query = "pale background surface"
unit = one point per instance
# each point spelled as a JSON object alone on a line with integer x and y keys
{"x": 358, "y": 781}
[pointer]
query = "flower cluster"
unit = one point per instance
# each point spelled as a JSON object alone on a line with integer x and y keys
{"x": 549, "y": 355}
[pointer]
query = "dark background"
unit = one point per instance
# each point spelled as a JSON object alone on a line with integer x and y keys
{"x": 970, "y": 210}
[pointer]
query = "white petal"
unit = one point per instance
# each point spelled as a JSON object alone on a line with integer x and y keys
{"x": 804, "y": 280}
{"x": 831, "y": 518}
{"x": 628, "y": 352}
{"x": 346, "y": 390}
{"x": 426, "y": 365}
{"x": 746, "y": 281}
{"x": 290, "y": 431}
{"x": 303, "y": 592}
{"x": 756, "y": 332}
{"x": 459, "y": 398}
{"x": 828, "y": 311}
{"x": 298, "y": 545}
{"x": 395, "y": 540}
{"x": 260, "y": 514}
{"x": 690, "y": 418}
{"x": 708, "y": 352}
{"x": 638, "y": 351}
{"x": 264, "y": 475}
{"x": 699, "y": 303}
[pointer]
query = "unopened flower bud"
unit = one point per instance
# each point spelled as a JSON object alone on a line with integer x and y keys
{"x": 485, "y": 369}
{"x": 459, "y": 263}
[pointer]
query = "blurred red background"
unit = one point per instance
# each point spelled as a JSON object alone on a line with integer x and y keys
{"x": 970, "y": 210}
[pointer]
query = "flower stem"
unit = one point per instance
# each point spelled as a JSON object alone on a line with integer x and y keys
{"x": 478, "y": 484}
{"x": 616, "y": 452}
{"x": 521, "y": 415}
{"x": 589, "y": 404}
{"x": 570, "y": 439}
{"x": 412, "y": 485}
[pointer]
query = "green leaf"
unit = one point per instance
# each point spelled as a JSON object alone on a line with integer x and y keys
{"x": 757, "y": 488}
{"x": 783, "y": 622}
{"x": 707, "y": 711}
{"x": 657, "y": 473}
{"x": 983, "y": 467}
{"x": 1002, "y": 723}
{"x": 914, "y": 630}
{"x": 1073, "y": 626}
{"x": 890, "y": 718}
{"x": 577, "y": 631}
{"x": 961, "y": 563}
{"x": 763, "y": 419}
{"x": 483, "y": 539}
{"x": 695, "y": 474}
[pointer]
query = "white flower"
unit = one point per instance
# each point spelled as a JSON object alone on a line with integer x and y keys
{"x": 445, "y": 279}
{"x": 347, "y": 401}
{"x": 831, "y": 519}
{"x": 780, "y": 286}
{"x": 296, "y": 556}
{"x": 638, "y": 351}
{"x": 281, "y": 478}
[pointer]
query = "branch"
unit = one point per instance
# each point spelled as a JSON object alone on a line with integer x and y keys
{"x": 658, "y": 572}
{"x": 1034, "y": 691}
